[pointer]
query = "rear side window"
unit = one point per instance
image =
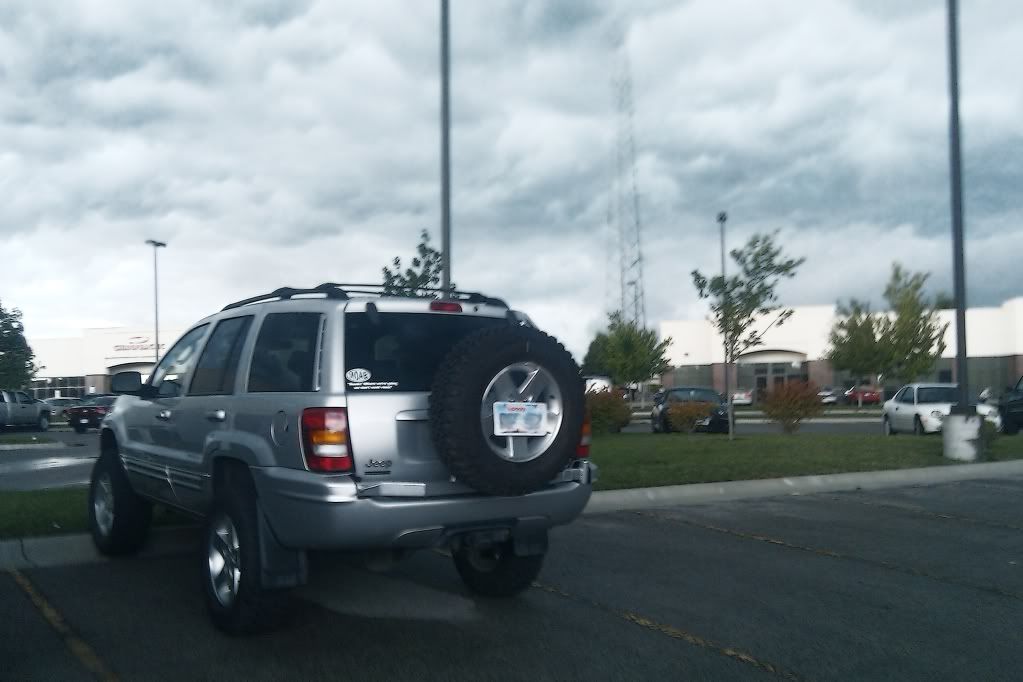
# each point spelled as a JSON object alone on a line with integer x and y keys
{"x": 218, "y": 365}
{"x": 284, "y": 358}
{"x": 402, "y": 351}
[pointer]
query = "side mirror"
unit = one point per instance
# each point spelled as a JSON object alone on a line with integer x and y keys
{"x": 126, "y": 382}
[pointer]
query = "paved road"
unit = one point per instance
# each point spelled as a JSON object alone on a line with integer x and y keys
{"x": 918, "y": 583}
{"x": 68, "y": 463}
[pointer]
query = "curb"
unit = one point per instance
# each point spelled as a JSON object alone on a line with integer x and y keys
{"x": 699, "y": 493}
{"x": 65, "y": 550}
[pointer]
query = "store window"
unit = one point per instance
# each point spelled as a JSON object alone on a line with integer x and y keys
{"x": 57, "y": 387}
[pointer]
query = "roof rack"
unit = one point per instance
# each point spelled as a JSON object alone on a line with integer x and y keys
{"x": 342, "y": 292}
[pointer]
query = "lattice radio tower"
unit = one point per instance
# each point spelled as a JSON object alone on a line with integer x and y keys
{"x": 625, "y": 227}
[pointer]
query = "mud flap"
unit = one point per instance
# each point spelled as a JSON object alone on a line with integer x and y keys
{"x": 280, "y": 567}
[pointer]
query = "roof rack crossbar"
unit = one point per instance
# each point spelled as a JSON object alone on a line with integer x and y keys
{"x": 284, "y": 293}
{"x": 342, "y": 291}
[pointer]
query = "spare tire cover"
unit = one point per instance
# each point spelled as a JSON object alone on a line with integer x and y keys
{"x": 512, "y": 364}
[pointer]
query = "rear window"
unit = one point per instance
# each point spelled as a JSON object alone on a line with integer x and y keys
{"x": 402, "y": 351}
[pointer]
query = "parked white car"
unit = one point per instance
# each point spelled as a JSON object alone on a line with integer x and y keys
{"x": 922, "y": 408}
{"x": 742, "y": 396}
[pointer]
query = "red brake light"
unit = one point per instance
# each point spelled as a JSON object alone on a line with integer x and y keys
{"x": 100, "y": 410}
{"x": 583, "y": 449}
{"x": 325, "y": 439}
{"x": 446, "y": 306}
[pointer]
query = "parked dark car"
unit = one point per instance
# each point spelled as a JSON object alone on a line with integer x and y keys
{"x": 89, "y": 413}
{"x": 717, "y": 422}
{"x": 1010, "y": 407}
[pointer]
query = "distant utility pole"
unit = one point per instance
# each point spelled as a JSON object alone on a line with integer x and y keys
{"x": 722, "y": 219}
{"x": 156, "y": 302}
{"x": 445, "y": 151}
{"x": 955, "y": 160}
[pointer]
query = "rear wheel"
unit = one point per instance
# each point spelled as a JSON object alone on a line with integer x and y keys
{"x": 118, "y": 518}
{"x": 235, "y": 597}
{"x": 496, "y": 571}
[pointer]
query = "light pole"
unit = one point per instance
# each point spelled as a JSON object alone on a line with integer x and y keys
{"x": 156, "y": 301}
{"x": 445, "y": 152}
{"x": 961, "y": 427}
{"x": 722, "y": 219}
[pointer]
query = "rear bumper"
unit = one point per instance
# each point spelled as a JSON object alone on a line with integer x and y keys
{"x": 311, "y": 511}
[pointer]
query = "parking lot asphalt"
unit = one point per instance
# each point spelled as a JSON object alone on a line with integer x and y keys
{"x": 916, "y": 583}
{"x": 67, "y": 462}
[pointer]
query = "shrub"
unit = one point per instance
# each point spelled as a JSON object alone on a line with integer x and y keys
{"x": 792, "y": 403}
{"x": 608, "y": 412}
{"x": 987, "y": 436}
{"x": 683, "y": 416}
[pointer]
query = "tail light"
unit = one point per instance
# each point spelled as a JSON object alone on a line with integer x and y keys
{"x": 446, "y": 306}
{"x": 583, "y": 449}
{"x": 99, "y": 410}
{"x": 325, "y": 441}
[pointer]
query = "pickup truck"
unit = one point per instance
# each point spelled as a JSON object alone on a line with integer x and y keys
{"x": 18, "y": 409}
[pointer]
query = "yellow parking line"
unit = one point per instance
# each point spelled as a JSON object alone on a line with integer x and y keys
{"x": 881, "y": 563}
{"x": 75, "y": 644}
{"x": 676, "y": 633}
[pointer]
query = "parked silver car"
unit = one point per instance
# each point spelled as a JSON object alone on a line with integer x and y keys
{"x": 339, "y": 418}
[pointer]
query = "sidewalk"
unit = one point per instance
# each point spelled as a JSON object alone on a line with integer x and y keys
{"x": 60, "y": 550}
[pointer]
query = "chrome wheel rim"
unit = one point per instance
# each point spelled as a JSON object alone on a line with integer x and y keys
{"x": 224, "y": 560}
{"x": 103, "y": 504}
{"x": 522, "y": 382}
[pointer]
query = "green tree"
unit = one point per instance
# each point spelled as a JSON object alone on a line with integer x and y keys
{"x": 17, "y": 361}
{"x": 856, "y": 343}
{"x": 595, "y": 360}
{"x": 633, "y": 354}
{"x": 944, "y": 301}
{"x": 913, "y": 332}
{"x": 423, "y": 273}
{"x": 740, "y": 303}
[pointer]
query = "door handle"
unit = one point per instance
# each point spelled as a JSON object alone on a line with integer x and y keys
{"x": 163, "y": 415}
{"x": 216, "y": 415}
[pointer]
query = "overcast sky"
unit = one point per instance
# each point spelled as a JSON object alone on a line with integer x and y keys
{"x": 290, "y": 143}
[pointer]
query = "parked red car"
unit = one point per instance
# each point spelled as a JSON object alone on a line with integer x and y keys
{"x": 90, "y": 413}
{"x": 870, "y": 396}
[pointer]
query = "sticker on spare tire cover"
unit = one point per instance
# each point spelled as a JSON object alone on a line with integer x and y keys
{"x": 520, "y": 419}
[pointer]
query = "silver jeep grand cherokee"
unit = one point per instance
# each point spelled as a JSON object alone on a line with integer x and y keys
{"x": 340, "y": 418}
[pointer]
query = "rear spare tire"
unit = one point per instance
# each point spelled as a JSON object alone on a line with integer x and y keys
{"x": 511, "y": 364}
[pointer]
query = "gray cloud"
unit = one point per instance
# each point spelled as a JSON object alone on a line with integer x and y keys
{"x": 277, "y": 142}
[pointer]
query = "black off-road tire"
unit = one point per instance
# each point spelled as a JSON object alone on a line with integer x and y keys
{"x": 508, "y": 576}
{"x": 132, "y": 513}
{"x": 255, "y": 608}
{"x": 457, "y": 395}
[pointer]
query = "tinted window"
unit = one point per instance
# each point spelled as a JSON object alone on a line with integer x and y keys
{"x": 907, "y": 396}
{"x": 23, "y": 398}
{"x": 104, "y": 400}
{"x": 218, "y": 364}
{"x": 170, "y": 374}
{"x": 402, "y": 351}
{"x": 284, "y": 357}
{"x": 697, "y": 395}
{"x": 938, "y": 394}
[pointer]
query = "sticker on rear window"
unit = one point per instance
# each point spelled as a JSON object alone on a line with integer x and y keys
{"x": 358, "y": 375}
